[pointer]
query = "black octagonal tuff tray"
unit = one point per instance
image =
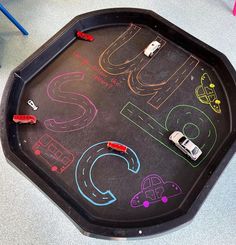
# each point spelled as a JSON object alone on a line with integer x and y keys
{"x": 89, "y": 93}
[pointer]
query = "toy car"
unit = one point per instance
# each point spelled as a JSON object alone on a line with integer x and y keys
{"x": 32, "y": 105}
{"x": 117, "y": 147}
{"x": 151, "y": 48}
{"x": 185, "y": 145}
{"x": 84, "y": 36}
{"x": 24, "y": 119}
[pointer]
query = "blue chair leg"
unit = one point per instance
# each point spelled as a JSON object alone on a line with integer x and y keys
{"x": 13, "y": 20}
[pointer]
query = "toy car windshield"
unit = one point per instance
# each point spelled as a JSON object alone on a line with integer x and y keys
{"x": 195, "y": 150}
{"x": 182, "y": 139}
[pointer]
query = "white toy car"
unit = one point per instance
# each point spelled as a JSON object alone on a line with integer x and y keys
{"x": 185, "y": 145}
{"x": 151, "y": 48}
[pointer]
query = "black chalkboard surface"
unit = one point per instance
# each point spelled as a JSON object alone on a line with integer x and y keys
{"x": 86, "y": 94}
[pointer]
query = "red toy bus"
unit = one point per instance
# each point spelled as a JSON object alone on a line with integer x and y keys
{"x": 117, "y": 147}
{"x": 84, "y": 36}
{"x": 24, "y": 119}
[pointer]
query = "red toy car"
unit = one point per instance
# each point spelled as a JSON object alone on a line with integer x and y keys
{"x": 117, "y": 147}
{"x": 85, "y": 36}
{"x": 24, "y": 119}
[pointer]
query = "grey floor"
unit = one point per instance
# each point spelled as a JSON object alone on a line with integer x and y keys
{"x": 26, "y": 215}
